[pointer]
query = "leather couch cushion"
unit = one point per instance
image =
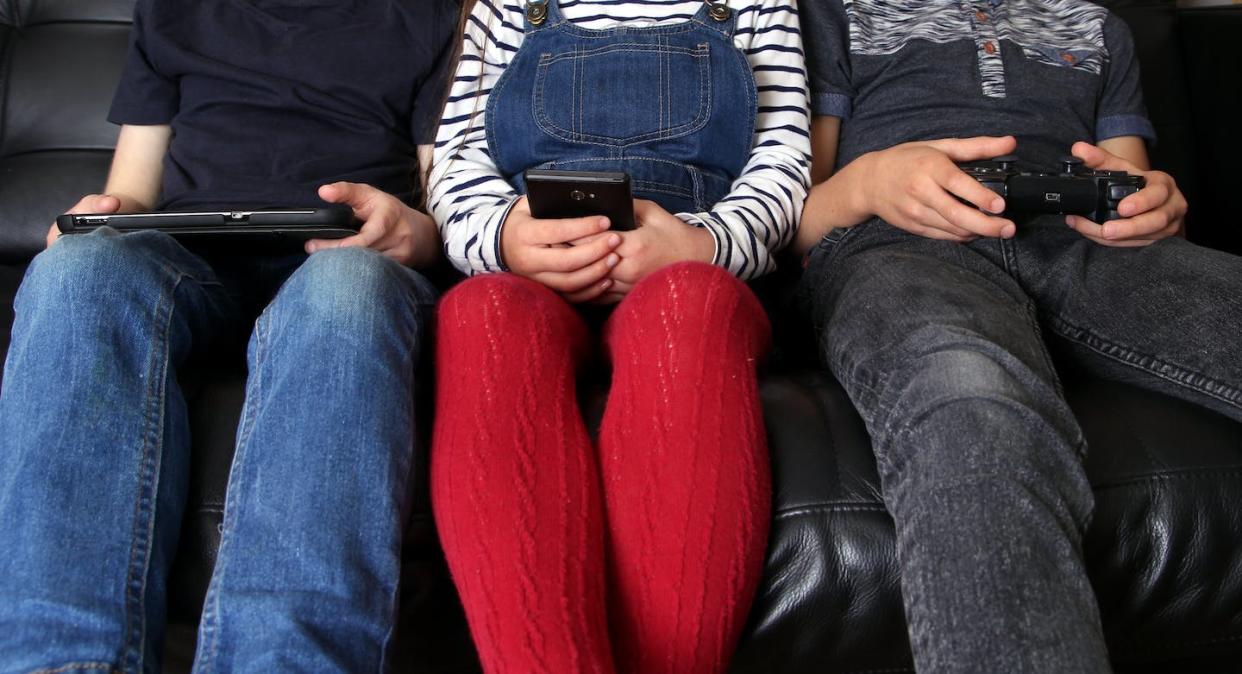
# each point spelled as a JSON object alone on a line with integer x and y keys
{"x": 61, "y": 61}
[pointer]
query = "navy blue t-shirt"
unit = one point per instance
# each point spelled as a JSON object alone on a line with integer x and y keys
{"x": 268, "y": 99}
{"x": 1050, "y": 72}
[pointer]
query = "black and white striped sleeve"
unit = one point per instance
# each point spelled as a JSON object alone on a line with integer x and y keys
{"x": 761, "y": 212}
{"x": 466, "y": 193}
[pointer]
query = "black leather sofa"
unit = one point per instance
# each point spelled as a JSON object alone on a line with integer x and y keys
{"x": 1164, "y": 550}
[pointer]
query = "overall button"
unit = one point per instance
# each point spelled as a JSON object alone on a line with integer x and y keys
{"x": 981, "y": 17}
{"x": 720, "y": 11}
{"x": 989, "y": 47}
{"x": 537, "y": 12}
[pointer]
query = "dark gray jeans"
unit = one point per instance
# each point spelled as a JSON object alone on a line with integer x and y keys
{"x": 941, "y": 346}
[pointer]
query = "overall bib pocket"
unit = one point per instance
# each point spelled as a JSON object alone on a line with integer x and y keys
{"x": 592, "y": 96}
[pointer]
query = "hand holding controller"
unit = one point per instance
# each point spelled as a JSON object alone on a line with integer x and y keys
{"x": 1074, "y": 190}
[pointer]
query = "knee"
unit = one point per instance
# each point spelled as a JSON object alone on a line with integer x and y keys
{"x": 970, "y": 423}
{"x": 102, "y": 272}
{"x": 353, "y": 289}
{"x": 101, "y": 257}
{"x": 507, "y": 320}
{"x": 691, "y": 302}
{"x": 498, "y": 303}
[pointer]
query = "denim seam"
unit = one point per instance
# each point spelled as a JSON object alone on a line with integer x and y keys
{"x": 1171, "y": 372}
{"x": 608, "y": 33}
{"x": 701, "y": 53}
{"x": 1032, "y": 322}
{"x": 210, "y": 621}
{"x": 76, "y": 666}
{"x": 148, "y": 480}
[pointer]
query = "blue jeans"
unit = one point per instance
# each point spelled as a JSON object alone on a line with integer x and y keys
{"x": 94, "y": 456}
{"x": 943, "y": 348}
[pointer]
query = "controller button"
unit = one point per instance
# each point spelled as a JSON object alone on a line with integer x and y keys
{"x": 1071, "y": 164}
{"x": 1119, "y": 192}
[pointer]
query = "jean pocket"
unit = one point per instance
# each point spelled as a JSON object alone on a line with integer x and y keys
{"x": 623, "y": 94}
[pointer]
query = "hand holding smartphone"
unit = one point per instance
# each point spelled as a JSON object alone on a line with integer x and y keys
{"x": 554, "y": 195}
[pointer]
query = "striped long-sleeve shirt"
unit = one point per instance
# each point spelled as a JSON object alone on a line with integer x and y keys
{"x": 470, "y": 199}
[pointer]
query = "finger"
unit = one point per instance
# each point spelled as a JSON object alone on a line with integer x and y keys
{"x": 1153, "y": 196}
{"x": 587, "y": 239}
{"x": 370, "y": 234}
{"x": 938, "y": 233}
{"x": 974, "y": 149}
{"x": 591, "y": 293}
{"x": 355, "y": 195}
{"x": 621, "y": 287}
{"x": 1087, "y": 228}
{"x": 610, "y": 298}
{"x": 1138, "y": 227}
{"x": 1095, "y": 233}
{"x": 957, "y": 183}
{"x": 572, "y": 258}
{"x": 96, "y": 203}
{"x": 916, "y": 217}
{"x": 575, "y": 281}
{"x": 1098, "y": 158}
{"x": 1134, "y": 243}
{"x": 549, "y": 232}
{"x": 970, "y": 219}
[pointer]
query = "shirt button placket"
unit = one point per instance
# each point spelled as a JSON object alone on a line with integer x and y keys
{"x": 987, "y": 42}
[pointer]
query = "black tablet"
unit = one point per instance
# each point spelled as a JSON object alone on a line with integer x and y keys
{"x": 294, "y": 224}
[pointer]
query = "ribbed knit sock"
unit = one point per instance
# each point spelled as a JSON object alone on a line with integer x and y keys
{"x": 515, "y": 485}
{"x": 685, "y": 469}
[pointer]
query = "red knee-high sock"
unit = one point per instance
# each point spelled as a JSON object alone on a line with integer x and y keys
{"x": 685, "y": 469}
{"x": 515, "y": 486}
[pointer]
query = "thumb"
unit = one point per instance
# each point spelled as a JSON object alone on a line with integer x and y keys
{"x": 1099, "y": 158}
{"x": 96, "y": 203}
{"x": 977, "y": 148}
{"x": 353, "y": 195}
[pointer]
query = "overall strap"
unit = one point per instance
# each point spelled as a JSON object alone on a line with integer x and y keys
{"x": 719, "y": 16}
{"x": 542, "y": 13}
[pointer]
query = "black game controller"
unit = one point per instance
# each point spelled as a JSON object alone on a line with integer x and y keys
{"x": 1076, "y": 190}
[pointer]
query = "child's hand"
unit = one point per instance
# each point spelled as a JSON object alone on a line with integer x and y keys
{"x": 660, "y": 239}
{"x": 91, "y": 203}
{"x": 1153, "y": 213}
{"x": 570, "y": 256}
{"x": 914, "y": 186}
{"x": 388, "y": 225}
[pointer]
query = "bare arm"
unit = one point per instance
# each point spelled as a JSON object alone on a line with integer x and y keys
{"x": 834, "y": 199}
{"x": 1130, "y": 148}
{"x": 914, "y": 186}
{"x": 134, "y": 179}
{"x": 138, "y": 167}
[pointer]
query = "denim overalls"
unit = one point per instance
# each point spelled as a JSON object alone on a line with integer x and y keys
{"x": 673, "y": 106}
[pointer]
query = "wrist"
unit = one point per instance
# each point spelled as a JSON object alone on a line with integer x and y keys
{"x": 861, "y": 176}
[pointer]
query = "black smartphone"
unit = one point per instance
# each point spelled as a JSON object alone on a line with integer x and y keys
{"x": 329, "y": 222}
{"x": 575, "y": 194}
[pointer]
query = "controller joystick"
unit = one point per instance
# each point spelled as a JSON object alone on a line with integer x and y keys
{"x": 1071, "y": 165}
